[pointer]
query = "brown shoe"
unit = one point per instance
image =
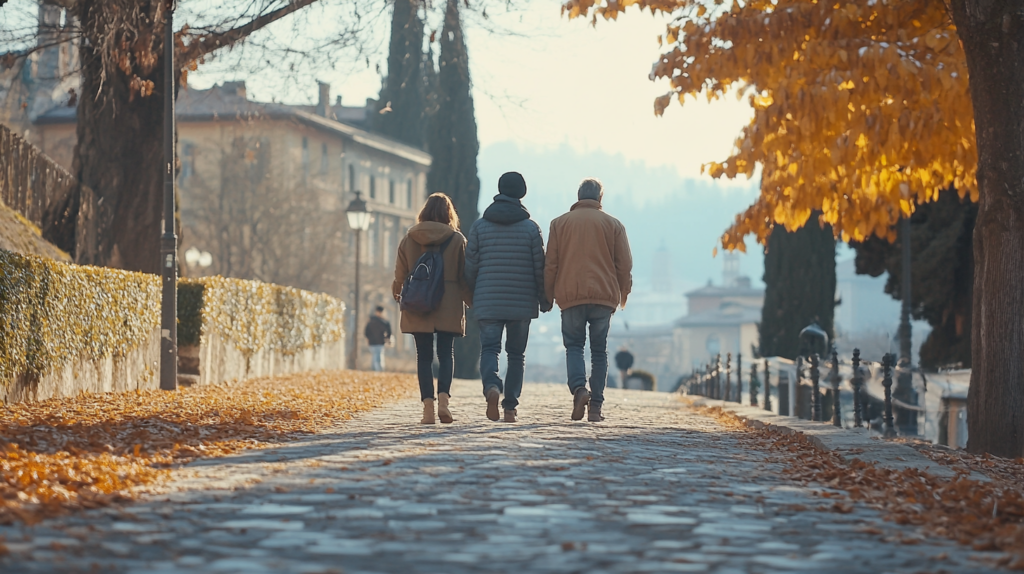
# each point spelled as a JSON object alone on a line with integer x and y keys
{"x": 594, "y": 413}
{"x": 580, "y": 400}
{"x": 510, "y": 416}
{"x": 493, "y": 396}
{"x": 428, "y": 412}
{"x": 443, "y": 412}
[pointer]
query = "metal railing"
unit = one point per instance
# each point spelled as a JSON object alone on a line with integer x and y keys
{"x": 778, "y": 385}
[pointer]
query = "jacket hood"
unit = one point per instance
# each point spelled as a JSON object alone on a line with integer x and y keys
{"x": 506, "y": 210}
{"x": 430, "y": 233}
{"x": 586, "y": 204}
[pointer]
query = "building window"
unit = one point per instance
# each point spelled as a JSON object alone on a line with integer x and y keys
{"x": 323, "y": 159}
{"x": 714, "y": 345}
{"x": 372, "y": 242}
{"x": 373, "y": 187}
{"x": 351, "y": 177}
{"x": 388, "y": 257}
{"x": 305, "y": 159}
{"x": 391, "y": 191}
{"x": 408, "y": 194}
{"x": 188, "y": 161}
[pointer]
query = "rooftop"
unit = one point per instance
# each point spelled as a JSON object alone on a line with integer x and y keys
{"x": 229, "y": 101}
{"x": 728, "y": 313}
{"x": 710, "y": 290}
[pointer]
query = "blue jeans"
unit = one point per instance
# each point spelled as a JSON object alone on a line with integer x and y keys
{"x": 574, "y": 336}
{"x": 377, "y": 352}
{"x": 515, "y": 348}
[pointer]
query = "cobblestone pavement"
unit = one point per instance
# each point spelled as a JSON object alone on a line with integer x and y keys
{"x": 655, "y": 488}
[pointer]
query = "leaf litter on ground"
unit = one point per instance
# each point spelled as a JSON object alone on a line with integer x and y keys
{"x": 985, "y": 515}
{"x": 92, "y": 450}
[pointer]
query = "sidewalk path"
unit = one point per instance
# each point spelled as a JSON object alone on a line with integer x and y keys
{"x": 655, "y": 488}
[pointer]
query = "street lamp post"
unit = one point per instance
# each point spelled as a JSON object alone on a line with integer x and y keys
{"x": 168, "y": 239}
{"x": 359, "y": 221}
{"x": 906, "y": 419}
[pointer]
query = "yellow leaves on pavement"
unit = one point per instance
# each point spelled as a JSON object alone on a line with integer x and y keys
{"x": 985, "y": 515}
{"x": 83, "y": 452}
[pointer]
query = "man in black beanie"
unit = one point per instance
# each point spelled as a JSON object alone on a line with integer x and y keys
{"x": 505, "y": 270}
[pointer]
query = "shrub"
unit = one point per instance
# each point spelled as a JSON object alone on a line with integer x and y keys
{"x": 649, "y": 380}
{"x": 52, "y": 313}
{"x": 257, "y": 316}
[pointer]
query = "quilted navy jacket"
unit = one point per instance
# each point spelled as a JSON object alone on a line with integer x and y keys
{"x": 505, "y": 263}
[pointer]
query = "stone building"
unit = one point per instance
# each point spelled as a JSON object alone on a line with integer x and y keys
{"x": 263, "y": 187}
{"x": 720, "y": 319}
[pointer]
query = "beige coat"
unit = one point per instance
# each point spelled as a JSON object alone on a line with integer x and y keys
{"x": 450, "y": 317}
{"x": 588, "y": 259}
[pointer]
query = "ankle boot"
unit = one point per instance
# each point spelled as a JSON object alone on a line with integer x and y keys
{"x": 442, "y": 408}
{"x": 428, "y": 412}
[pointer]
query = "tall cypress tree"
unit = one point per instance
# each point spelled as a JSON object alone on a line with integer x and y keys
{"x": 942, "y": 276}
{"x": 800, "y": 287}
{"x": 404, "y": 88}
{"x": 453, "y": 140}
{"x": 454, "y": 146}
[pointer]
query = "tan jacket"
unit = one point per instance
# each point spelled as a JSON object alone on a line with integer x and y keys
{"x": 450, "y": 317}
{"x": 588, "y": 259}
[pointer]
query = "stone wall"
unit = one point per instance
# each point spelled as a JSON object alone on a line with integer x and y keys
{"x": 231, "y": 330}
{"x": 68, "y": 329}
{"x": 136, "y": 370}
{"x": 217, "y": 360}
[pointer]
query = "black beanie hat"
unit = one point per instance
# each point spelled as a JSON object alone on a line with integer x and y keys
{"x": 512, "y": 184}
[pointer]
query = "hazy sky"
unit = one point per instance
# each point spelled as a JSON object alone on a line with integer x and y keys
{"x": 555, "y": 81}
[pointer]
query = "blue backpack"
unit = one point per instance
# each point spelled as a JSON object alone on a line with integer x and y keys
{"x": 424, "y": 287}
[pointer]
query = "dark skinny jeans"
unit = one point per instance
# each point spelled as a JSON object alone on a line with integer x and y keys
{"x": 425, "y": 362}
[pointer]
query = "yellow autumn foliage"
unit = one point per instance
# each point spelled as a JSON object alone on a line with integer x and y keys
{"x": 861, "y": 110}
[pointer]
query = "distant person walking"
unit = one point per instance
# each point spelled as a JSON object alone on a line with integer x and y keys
{"x": 589, "y": 273}
{"x": 378, "y": 334}
{"x": 505, "y": 270}
{"x": 437, "y": 230}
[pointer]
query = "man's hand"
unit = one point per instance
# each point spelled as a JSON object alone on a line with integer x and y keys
{"x": 546, "y": 306}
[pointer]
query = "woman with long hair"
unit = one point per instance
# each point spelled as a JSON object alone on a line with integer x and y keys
{"x": 437, "y": 228}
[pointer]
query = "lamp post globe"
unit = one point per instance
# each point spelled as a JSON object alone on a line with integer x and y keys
{"x": 359, "y": 220}
{"x": 358, "y": 215}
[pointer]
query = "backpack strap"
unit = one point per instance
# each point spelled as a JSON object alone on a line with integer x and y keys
{"x": 444, "y": 245}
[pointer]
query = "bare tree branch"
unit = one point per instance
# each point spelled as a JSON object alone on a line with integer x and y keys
{"x": 211, "y": 42}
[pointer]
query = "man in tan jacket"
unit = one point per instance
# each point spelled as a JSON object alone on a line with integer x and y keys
{"x": 588, "y": 271}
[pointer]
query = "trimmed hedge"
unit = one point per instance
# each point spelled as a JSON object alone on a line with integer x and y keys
{"x": 53, "y": 313}
{"x": 257, "y": 316}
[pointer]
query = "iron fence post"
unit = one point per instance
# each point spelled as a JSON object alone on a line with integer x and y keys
{"x": 718, "y": 376}
{"x": 728, "y": 377}
{"x": 815, "y": 389}
{"x": 837, "y": 420}
{"x": 889, "y": 429}
{"x": 739, "y": 378}
{"x": 767, "y": 387}
{"x": 857, "y": 381}
{"x": 753, "y": 389}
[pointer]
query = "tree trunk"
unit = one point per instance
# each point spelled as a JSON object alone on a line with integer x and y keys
{"x": 118, "y": 156}
{"x": 992, "y": 35}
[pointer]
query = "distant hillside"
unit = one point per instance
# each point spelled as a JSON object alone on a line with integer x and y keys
{"x": 654, "y": 203}
{"x": 18, "y": 234}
